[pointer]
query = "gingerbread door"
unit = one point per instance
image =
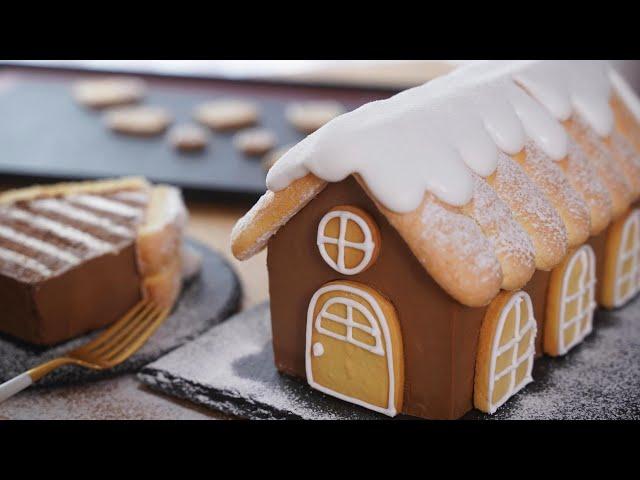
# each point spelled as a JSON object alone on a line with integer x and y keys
{"x": 354, "y": 346}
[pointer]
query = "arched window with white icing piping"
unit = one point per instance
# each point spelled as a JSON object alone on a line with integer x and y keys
{"x": 571, "y": 302}
{"x": 506, "y": 350}
{"x": 628, "y": 261}
{"x": 621, "y": 272}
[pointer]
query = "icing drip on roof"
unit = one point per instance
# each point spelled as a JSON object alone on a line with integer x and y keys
{"x": 564, "y": 87}
{"x": 434, "y": 137}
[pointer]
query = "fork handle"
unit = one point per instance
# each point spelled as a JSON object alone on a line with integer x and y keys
{"x": 22, "y": 381}
{"x": 15, "y": 385}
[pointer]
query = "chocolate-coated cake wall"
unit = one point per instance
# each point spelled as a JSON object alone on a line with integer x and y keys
{"x": 440, "y": 335}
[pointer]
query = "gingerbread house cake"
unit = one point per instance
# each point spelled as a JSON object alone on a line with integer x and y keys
{"x": 77, "y": 256}
{"x": 425, "y": 249}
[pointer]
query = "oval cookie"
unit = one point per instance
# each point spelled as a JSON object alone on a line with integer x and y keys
{"x": 307, "y": 117}
{"x": 105, "y": 92}
{"x": 138, "y": 120}
{"x": 255, "y": 141}
{"x": 227, "y": 114}
{"x": 188, "y": 137}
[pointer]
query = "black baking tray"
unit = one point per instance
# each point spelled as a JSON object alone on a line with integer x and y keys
{"x": 46, "y": 136}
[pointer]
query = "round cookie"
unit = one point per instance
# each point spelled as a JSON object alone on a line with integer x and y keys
{"x": 273, "y": 156}
{"x": 142, "y": 121}
{"x": 255, "y": 141}
{"x": 188, "y": 137}
{"x": 106, "y": 92}
{"x": 307, "y": 117}
{"x": 227, "y": 114}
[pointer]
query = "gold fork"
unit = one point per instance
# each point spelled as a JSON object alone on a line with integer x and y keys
{"x": 110, "y": 348}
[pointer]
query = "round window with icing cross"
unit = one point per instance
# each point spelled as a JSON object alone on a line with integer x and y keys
{"x": 348, "y": 239}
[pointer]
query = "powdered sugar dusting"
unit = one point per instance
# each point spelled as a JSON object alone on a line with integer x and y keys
{"x": 628, "y": 158}
{"x": 231, "y": 369}
{"x": 120, "y": 398}
{"x": 603, "y": 162}
{"x": 528, "y": 205}
{"x": 512, "y": 244}
{"x": 548, "y": 176}
{"x": 584, "y": 179}
{"x": 462, "y": 237}
{"x": 597, "y": 380}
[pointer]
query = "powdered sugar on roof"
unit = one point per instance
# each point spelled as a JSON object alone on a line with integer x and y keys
{"x": 433, "y": 137}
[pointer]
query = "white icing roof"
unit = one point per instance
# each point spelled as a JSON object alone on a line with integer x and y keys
{"x": 432, "y": 137}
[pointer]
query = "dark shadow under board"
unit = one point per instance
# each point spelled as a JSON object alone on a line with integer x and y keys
{"x": 230, "y": 369}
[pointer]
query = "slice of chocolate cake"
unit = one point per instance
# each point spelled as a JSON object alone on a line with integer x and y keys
{"x": 77, "y": 256}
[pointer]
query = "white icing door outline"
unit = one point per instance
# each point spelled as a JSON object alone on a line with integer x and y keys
{"x": 383, "y": 328}
{"x": 349, "y": 324}
{"x": 497, "y": 350}
{"x": 586, "y": 283}
{"x": 634, "y": 275}
{"x": 367, "y": 246}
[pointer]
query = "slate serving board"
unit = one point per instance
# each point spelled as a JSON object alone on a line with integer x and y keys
{"x": 46, "y": 135}
{"x": 206, "y": 300}
{"x": 230, "y": 368}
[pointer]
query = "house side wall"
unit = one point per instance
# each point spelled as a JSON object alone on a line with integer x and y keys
{"x": 439, "y": 335}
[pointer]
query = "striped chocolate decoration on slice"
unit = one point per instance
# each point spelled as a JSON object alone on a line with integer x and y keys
{"x": 134, "y": 198}
{"x": 43, "y": 237}
{"x": 105, "y": 205}
{"x": 66, "y": 210}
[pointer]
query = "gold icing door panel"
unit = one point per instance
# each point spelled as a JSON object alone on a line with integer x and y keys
{"x": 354, "y": 346}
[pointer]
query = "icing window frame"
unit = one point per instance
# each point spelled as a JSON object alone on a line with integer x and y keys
{"x": 513, "y": 344}
{"x": 586, "y": 286}
{"x": 349, "y": 324}
{"x": 370, "y": 246}
{"x": 630, "y": 233}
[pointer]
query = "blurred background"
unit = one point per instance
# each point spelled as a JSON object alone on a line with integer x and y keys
{"x": 48, "y": 136}
{"x": 391, "y": 73}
